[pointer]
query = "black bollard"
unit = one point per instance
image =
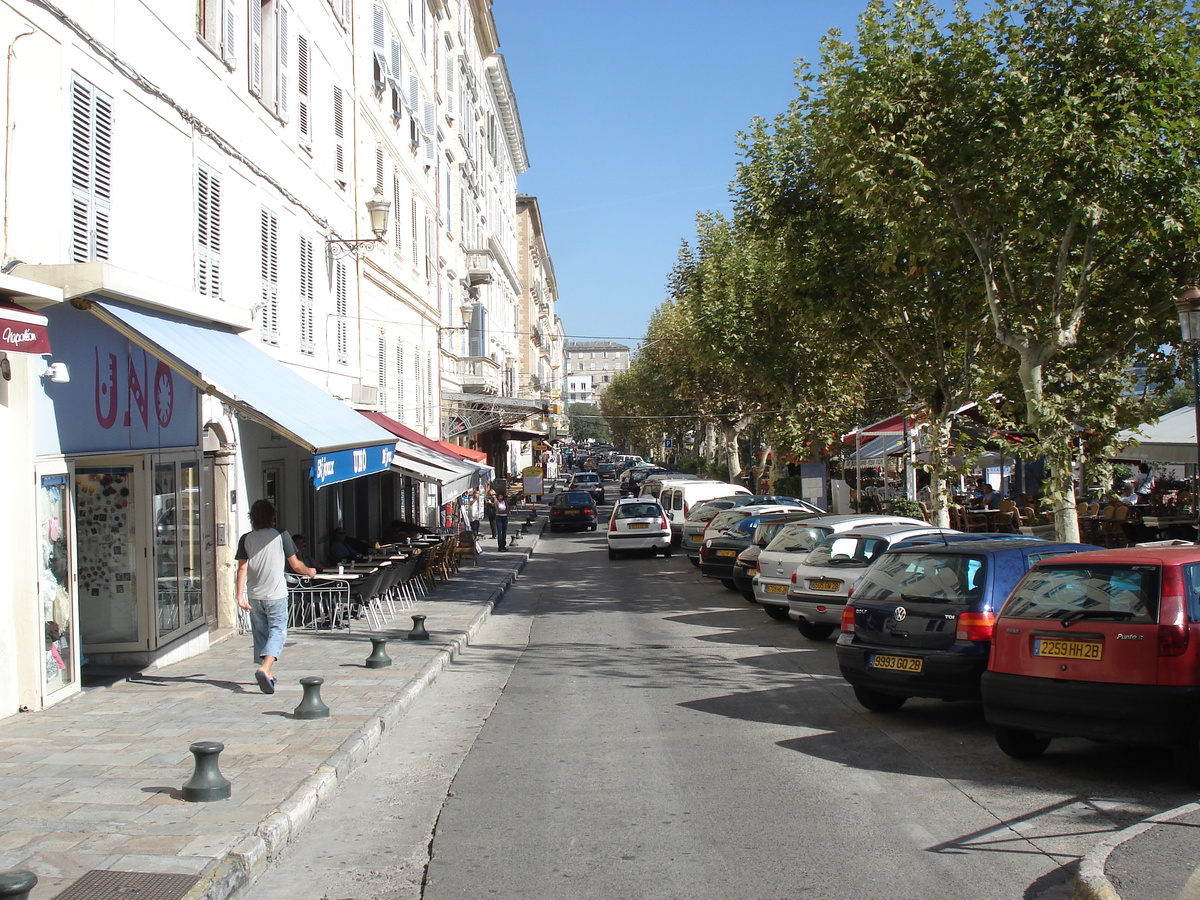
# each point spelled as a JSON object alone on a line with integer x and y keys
{"x": 378, "y": 658}
{"x": 311, "y": 706}
{"x": 16, "y": 884}
{"x": 207, "y": 783}
{"x": 418, "y": 632}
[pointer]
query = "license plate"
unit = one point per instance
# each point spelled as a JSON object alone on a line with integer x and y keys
{"x": 824, "y": 585}
{"x": 726, "y": 553}
{"x": 570, "y": 512}
{"x": 1068, "y": 649}
{"x": 638, "y": 526}
{"x": 896, "y": 663}
{"x": 776, "y": 588}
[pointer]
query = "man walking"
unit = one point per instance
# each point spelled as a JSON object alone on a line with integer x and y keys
{"x": 262, "y": 587}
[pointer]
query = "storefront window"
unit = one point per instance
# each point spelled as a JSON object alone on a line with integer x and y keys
{"x": 177, "y": 546}
{"x": 54, "y": 583}
{"x": 106, "y": 534}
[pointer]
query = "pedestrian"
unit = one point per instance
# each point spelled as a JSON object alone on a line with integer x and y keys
{"x": 489, "y": 510}
{"x": 1143, "y": 482}
{"x": 476, "y": 510}
{"x": 262, "y": 587}
{"x": 501, "y": 522}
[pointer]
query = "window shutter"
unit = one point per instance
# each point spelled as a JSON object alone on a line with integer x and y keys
{"x": 399, "y": 232}
{"x": 395, "y": 70}
{"x": 307, "y": 315}
{"x": 269, "y": 270}
{"x": 416, "y": 251}
{"x": 343, "y": 312}
{"x": 256, "y": 49}
{"x": 428, "y": 118}
{"x": 281, "y": 104}
{"x": 229, "y": 39}
{"x": 378, "y": 28}
{"x": 414, "y": 92}
{"x": 91, "y": 171}
{"x": 302, "y": 90}
{"x": 208, "y": 232}
{"x": 339, "y": 135}
{"x": 478, "y": 330}
{"x": 379, "y": 169}
{"x": 400, "y": 410}
{"x": 430, "y": 151}
{"x": 451, "y": 64}
{"x": 382, "y": 355}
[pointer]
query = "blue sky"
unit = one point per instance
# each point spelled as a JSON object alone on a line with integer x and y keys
{"x": 630, "y": 110}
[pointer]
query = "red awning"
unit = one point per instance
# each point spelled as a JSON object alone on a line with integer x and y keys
{"x": 890, "y": 425}
{"x": 22, "y": 331}
{"x": 403, "y": 431}
{"x": 464, "y": 452}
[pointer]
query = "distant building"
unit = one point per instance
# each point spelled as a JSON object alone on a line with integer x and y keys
{"x": 600, "y": 361}
{"x": 579, "y": 389}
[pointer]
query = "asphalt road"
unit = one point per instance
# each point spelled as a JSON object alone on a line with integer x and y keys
{"x": 630, "y": 729}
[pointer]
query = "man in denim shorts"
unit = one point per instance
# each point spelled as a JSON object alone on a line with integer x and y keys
{"x": 262, "y": 587}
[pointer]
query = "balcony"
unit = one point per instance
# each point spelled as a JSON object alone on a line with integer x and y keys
{"x": 479, "y": 375}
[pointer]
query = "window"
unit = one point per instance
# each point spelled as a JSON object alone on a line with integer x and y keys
{"x": 302, "y": 100}
{"x": 208, "y": 232}
{"x": 397, "y": 228}
{"x": 215, "y": 26}
{"x": 91, "y": 171}
{"x": 339, "y": 138}
{"x": 269, "y": 271}
{"x": 307, "y": 315}
{"x": 343, "y": 312}
{"x": 269, "y": 55}
{"x": 381, "y": 360}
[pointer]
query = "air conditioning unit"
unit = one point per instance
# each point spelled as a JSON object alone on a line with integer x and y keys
{"x": 364, "y": 395}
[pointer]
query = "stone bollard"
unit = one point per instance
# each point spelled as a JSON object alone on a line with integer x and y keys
{"x": 207, "y": 783}
{"x": 311, "y": 706}
{"x": 418, "y": 632}
{"x": 378, "y": 658}
{"x": 16, "y": 884}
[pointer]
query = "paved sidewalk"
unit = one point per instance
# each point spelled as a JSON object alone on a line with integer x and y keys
{"x": 1158, "y": 859}
{"x": 94, "y": 782}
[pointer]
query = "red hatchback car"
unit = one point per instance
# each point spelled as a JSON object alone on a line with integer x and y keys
{"x": 1102, "y": 645}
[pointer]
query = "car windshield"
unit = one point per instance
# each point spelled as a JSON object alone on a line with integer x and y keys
{"x": 932, "y": 577}
{"x": 1068, "y": 593}
{"x": 638, "y": 511}
{"x": 849, "y": 551}
{"x": 798, "y": 538}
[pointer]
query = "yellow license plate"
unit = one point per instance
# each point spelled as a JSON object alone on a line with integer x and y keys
{"x": 896, "y": 663}
{"x": 1068, "y": 649}
{"x": 824, "y": 585}
{"x": 638, "y": 526}
{"x": 776, "y": 588}
{"x": 726, "y": 553}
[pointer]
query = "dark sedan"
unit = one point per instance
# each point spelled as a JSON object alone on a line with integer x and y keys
{"x": 573, "y": 509}
{"x": 718, "y": 556}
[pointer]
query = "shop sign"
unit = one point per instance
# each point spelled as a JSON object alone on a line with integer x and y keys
{"x": 342, "y": 465}
{"x": 23, "y": 332}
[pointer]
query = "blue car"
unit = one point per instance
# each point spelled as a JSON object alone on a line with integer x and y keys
{"x": 920, "y": 621}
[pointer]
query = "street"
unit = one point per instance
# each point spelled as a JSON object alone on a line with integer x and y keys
{"x": 631, "y": 729}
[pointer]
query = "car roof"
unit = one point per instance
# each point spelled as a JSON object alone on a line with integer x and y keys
{"x": 868, "y": 519}
{"x": 975, "y": 548}
{"x": 1175, "y": 555}
{"x": 623, "y": 501}
{"x": 891, "y": 531}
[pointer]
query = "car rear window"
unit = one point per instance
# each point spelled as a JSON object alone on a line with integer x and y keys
{"x": 1115, "y": 592}
{"x": 933, "y": 577}
{"x": 851, "y": 551}
{"x": 707, "y": 510}
{"x": 766, "y": 531}
{"x": 573, "y": 499}
{"x": 727, "y": 518}
{"x": 638, "y": 511}
{"x": 798, "y": 538}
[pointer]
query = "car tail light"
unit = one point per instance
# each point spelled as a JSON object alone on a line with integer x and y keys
{"x": 975, "y": 626}
{"x": 589, "y": 510}
{"x": 555, "y": 512}
{"x": 1172, "y": 622}
{"x": 793, "y": 578}
{"x": 665, "y": 522}
{"x": 686, "y": 507}
{"x": 848, "y": 619}
{"x": 758, "y": 566}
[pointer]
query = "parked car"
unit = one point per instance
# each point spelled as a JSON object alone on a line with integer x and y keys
{"x": 588, "y": 482}
{"x": 652, "y": 485}
{"x": 719, "y": 555}
{"x": 606, "y": 470}
{"x": 696, "y": 524}
{"x": 638, "y": 523}
{"x": 921, "y": 620}
{"x": 1102, "y": 645}
{"x": 678, "y": 498}
{"x": 573, "y": 509}
{"x": 822, "y": 582}
{"x": 745, "y": 567}
{"x": 631, "y": 479}
{"x": 778, "y": 560}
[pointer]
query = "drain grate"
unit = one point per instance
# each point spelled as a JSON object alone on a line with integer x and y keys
{"x": 106, "y": 884}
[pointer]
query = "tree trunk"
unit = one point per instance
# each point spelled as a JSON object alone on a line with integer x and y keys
{"x": 732, "y": 456}
{"x": 1061, "y": 482}
{"x": 939, "y": 464}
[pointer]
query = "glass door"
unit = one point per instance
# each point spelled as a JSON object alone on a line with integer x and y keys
{"x": 106, "y": 502}
{"x": 178, "y": 543}
{"x": 61, "y": 659}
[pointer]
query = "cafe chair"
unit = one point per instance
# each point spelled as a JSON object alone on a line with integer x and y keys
{"x": 467, "y": 547}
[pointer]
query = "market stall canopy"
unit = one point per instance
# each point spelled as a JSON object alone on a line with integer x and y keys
{"x": 220, "y": 362}
{"x": 1171, "y": 439}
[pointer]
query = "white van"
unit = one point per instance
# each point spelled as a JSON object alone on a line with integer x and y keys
{"x": 678, "y": 498}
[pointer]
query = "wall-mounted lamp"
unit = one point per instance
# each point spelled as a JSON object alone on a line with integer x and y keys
{"x": 377, "y": 209}
{"x": 5, "y": 367}
{"x": 57, "y": 373}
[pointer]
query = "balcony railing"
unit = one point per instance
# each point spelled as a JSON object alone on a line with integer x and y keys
{"x": 479, "y": 375}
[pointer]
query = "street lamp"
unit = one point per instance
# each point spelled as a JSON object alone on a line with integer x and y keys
{"x": 377, "y": 210}
{"x": 1188, "y": 306}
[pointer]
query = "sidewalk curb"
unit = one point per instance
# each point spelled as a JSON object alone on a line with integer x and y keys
{"x": 1090, "y": 881}
{"x": 251, "y": 856}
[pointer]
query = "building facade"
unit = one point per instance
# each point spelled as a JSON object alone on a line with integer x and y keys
{"x": 233, "y": 228}
{"x": 598, "y": 361}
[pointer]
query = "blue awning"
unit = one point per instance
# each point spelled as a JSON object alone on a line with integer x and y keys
{"x": 221, "y": 363}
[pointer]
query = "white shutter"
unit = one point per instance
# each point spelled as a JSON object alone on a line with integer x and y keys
{"x": 91, "y": 171}
{"x": 302, "y": 99}
{"x": 428, "y": 118}
{"x": 256, "y": 49}
{"x": 208, "y": 232}
{"x": 269, "y": 271}
{"x": 414, "y": 92}
{"x": 451, "y": 65}
{"x": 343, "y": 312}
{"x": 394, "y": 71}
{"x": 307, "y": 315}
{"x": 281, "y": 98}
{"x": 229, "y": 38}
{"x": 377, "y": 27}
{"x": 429, "y": 152}
{"x": 339, "y": 137}
{"x": 399, "y": 232}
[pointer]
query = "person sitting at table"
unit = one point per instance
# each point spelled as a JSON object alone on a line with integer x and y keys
{"x": 343, "y": 547}
{"x": 1128, "y": 495}
{"x": 304, "y": 553}
{"x": 988, "y": 498}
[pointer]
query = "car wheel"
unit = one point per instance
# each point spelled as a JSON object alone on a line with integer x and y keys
{"x": 729, "y": 584}
{"x": 779, "y": 613}
{"x": 749, "y": 597}
{"x": 612, "y": 554}
{"x": 1021, "y": 744}
{"x": 591, "y": 528}
{"x": 878, "y": 702}
{"x": 695, "y": 561}
{"x": 553, "y": 528}
{"x": 812, "y": 631}
{"x": 667, "y": 553}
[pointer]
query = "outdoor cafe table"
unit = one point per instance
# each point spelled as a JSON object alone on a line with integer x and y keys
{"x": 1172, "y": 525}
